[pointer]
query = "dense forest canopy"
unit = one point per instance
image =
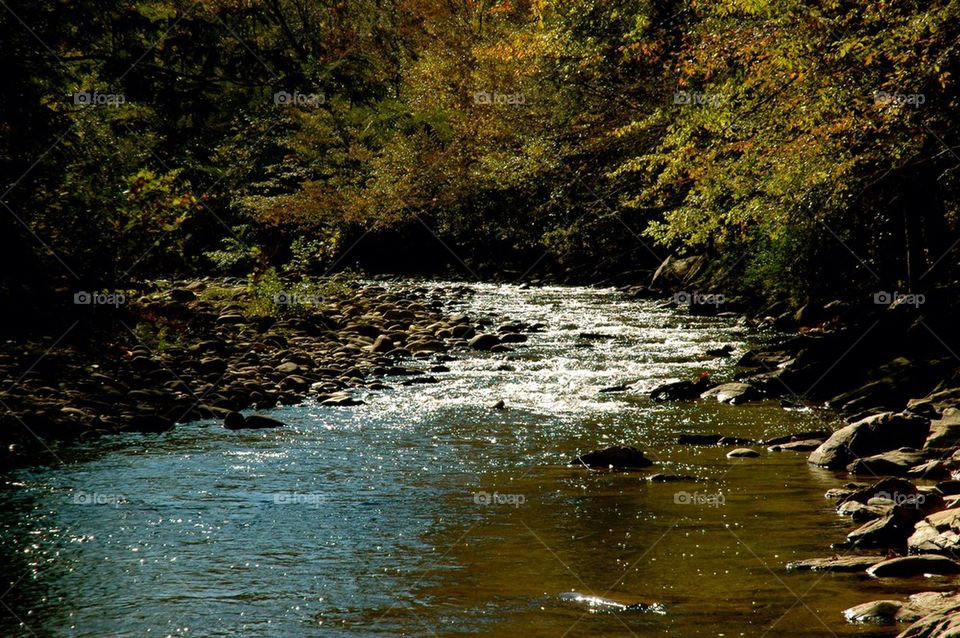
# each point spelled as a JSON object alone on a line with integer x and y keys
{"x": 799, "y": 146}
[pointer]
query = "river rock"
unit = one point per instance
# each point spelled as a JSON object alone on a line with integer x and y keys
{"x": 733, "y": 393}
{"x": 906, "y": 566}
{"x": 938, "y": 533}
{"x": 878, "y": 611}
{"x": 890, "y": 531}
{"x": 934, "y": 470}
{"x": 895, "y": 463}
{"x": 672, "y": 478}
{"x": 945, "y": 431}
{"x": 835, "y": 564}
{"x": 812, "y": 435}
{"x": 484, "y": 341}
{"x": 723, "y": 351}
{"x": 893, "y": 489}
{"x": 234, "y": 421}
{"x": 797, "y": 446}
{"x": 382, "y": 345}
{"x": 873, "y": 435}
{"x": 943, "y": 623}
{"x": 861, "y": 513}
{"x": 681, "y": 390}
{"x": 616, "y": 457}
{"x": 742, "y": 453}
{"x": 916, "y": 607}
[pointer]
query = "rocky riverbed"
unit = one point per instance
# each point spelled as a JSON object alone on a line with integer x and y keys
{"x": 200, "y": 349}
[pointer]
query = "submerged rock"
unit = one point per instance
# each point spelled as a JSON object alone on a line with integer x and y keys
{"x": 797, "y": 446}
{"x": 616, "y": 457}
{"x": 672, "y": 478}
{"x": 252, "y": 422}
{"x": 601, "y": 603}
{"x": 835, "y": 564}
{"x": 809, "y": 435}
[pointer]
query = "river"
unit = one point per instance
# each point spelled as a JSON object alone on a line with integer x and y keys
{"x": 425, "y": 512}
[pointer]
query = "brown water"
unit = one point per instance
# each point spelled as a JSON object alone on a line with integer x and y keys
{"x": 375, "y": 520}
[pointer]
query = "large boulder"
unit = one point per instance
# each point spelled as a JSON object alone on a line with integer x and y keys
{"x": 616, "y": 457}
{"x": 873, "y": 435}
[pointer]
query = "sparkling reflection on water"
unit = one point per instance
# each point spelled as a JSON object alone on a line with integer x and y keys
{"x": 426, "y": 512}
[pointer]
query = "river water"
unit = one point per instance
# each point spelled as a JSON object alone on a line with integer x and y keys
{"x": 425, "y": 512}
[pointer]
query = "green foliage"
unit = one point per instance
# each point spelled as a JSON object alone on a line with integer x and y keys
{"x": 602, "y": 134}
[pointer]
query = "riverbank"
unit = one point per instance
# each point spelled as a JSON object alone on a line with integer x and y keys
{"x": 887, "y": 367}
{"x": 180, "y": 351}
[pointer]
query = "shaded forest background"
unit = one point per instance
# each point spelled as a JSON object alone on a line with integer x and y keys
{"x": 809, "y": 150}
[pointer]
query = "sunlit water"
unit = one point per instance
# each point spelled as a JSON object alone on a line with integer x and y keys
{"x": 425, "y": 512}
